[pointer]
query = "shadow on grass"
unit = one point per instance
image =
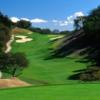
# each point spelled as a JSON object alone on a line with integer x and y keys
{"x": 87, "y": 47}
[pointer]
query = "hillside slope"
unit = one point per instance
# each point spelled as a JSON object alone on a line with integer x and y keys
{"x": 53, "y": 71}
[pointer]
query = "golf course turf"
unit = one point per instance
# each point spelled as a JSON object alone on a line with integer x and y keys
{"x": 52, "y": 71}
{"x": 59, "y": 92}
{"x": 49, "y": 78}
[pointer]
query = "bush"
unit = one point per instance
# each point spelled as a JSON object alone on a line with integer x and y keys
{"x": 13, "y": 63}
{"x": 19, "y": 63}
{"x": 90, "y": 74}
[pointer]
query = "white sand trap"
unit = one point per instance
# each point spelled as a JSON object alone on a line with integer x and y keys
{"x": 58, "y": 37}
{"x": 21, "y": 36}
{"x": 23, "y": 39}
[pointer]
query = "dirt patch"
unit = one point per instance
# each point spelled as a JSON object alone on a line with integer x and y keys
{"x": 14, "y": 82}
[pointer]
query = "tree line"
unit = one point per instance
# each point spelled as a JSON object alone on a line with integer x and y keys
{"x": 12, "y": 63}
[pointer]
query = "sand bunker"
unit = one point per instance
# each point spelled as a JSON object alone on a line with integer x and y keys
{"x": 14, "y": 82}
{"x": 23, "y": 39}
{"x": 58, "y": 37}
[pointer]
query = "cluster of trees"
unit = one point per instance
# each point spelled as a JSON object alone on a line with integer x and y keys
{"x": 41, "y": 31}
{"x": 13, "y": 63}
{"x": 23, "y": 24}
{"x": 5, "y": 21}
{"x": 91, "y": 26}
{"x": 4, "y": 36}
{"x": 86, "y": 39}
{"x": 9, "y": 62}
{"x": 5, "y": 31}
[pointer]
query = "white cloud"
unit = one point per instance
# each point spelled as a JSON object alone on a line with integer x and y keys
{"x": 78, "y": 14}
{"x": 14, "y": 19}
{"x": 69, "y": 20}
{"x": 60, "y": 23}
{"x": 63, "y": 23}
{"x": 37, "y": 20}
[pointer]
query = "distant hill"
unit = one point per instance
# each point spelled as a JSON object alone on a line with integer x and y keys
{"x": 17, "y": 30}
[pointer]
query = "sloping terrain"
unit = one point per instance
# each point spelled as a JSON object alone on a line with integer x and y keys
{"x": 52, "y": 71}
{"x": 20, "y": 31}
{"x": 52, "y": 74}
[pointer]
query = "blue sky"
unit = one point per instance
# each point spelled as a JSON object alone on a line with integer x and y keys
{"x": 53, "y": 14}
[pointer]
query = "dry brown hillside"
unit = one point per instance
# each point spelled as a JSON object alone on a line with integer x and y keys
{"x": 20, "y": 31}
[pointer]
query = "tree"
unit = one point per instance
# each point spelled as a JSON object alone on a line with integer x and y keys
{"x": 35, "y": 29}
{"x": 13, "y": 63}
{"x": 5, "y": 35}
{"x": 91, "y": 27}
{"x": 23, "y": 24}
{"x": 65, "y": 32}
{"x": 4, "y": 19}
{"x": 46, "y": 31}
{"x": 41, "y": 31}
{"x": 56, "y": 31}
{"x": 78, "y": 22}
{"x": 20, "y": 62}
{"x": 92, "y": 22}
{"x": 5, "y": 27}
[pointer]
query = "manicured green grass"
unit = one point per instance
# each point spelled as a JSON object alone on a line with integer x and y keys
{"x": 53, "y": 71}
{"x": 59, "y": 92}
